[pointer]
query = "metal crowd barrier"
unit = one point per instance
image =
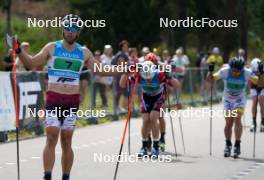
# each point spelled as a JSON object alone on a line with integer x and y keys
{"x": 192, "y": 94}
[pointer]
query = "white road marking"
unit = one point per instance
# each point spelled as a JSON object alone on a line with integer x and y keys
{"x": 85, "y": 145}
{"x": 10, "y": 163}
{"x": 247, "y": 171}
{"x": 35, "y": 157}
{"x": 76, "y": 147}
{"x": 23, "y": 160}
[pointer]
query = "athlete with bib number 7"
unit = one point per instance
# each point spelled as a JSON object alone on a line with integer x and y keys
{"x": 65, "y": 59}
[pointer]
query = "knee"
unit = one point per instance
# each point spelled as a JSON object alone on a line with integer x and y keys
{"x": 146, "y": 123}
{"x": 66, "y": 143}
{"x": 229, "y": 126}
{"x": 238, "y": 124}
{"x": 52, "y": 141}
{"x": 254, "y": 105}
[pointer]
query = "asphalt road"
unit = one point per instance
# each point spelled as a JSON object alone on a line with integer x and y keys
{"x": 103, "y": 140}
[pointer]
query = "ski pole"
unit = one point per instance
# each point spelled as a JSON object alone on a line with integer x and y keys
{"x": 126, "y": 125}
{"x": 180, "y": 122}
{"x": 172, "y": 128}
{"x": 128, "y": 91}
{"x": 15, "y": 46}
{"x": 211, "y": 69}
{"x": 255, "y": 129}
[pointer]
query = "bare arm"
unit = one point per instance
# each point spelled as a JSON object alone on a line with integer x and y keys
{"x": 39, "y": 59}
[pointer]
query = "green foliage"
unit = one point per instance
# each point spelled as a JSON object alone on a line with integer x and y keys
{"x": 138, "y": 22}
{"x": 37, "y": 37}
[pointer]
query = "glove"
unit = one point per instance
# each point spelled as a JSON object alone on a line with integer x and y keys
{"x": 260, "y": 68}
{"x": 211, "y": 67}
{"x": 17, "y": 47}
{"x": 167, "y": 76}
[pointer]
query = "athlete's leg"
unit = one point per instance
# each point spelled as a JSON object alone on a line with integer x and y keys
{"x": 49, "y": 150}
{"x": 228, "y": 136}
{"x": 228, "y": 128}
{"x": 238, "y": 126}
{"x": 146, "y": 124}
{"x": 67, "y": 152}
{"x": 162, "y": 124}
{"x": 144, "y": 133}
{"x": 154, "y": 116}
{"x": 238, "y": 132}
{"x": 162, "y": 128}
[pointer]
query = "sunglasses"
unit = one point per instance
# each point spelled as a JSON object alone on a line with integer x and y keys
{"x": 72, "y": 28}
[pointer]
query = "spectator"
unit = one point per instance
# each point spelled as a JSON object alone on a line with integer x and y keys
{"x": 120, "y": 57}
{"x": 156, "y": 52}
{"x": 133, "y": 60}
{"x": 119, "y": 92}
{"x": 133, "y": 56}
{"x": 99, "y": 83}
{"x": 215, "y": 58}
{"x": 198, "y": 71}
{"x": 166, "y": 56}
{"x": 242, "y": 54}
{"x": 123, "y": 48}
{"x": 145, "y": 51}
{"x": 182, "y": 61}
{"x": 107, "y": 59}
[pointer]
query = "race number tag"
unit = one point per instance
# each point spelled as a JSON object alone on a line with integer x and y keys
{"x": 67, "y": 64}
